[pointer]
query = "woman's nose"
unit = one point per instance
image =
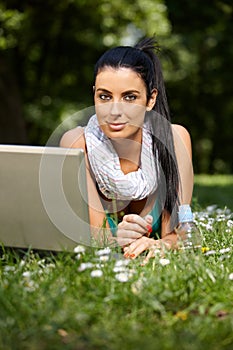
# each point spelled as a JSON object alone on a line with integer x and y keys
{"x": 116, "y": 108}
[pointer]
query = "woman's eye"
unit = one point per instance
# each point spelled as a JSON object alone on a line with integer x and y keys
{"x": 130, "y": 97}
{"x": 104, "y": 97}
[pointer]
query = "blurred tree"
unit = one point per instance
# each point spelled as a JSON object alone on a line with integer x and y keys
{"x": 12, "y": 125}
{"x": 201, "y": 96}
{"x": 50, "y": 48}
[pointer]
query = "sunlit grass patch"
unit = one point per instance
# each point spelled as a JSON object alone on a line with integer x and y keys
{"x": 96, "y": 299}
{"x": 214, "y": 189}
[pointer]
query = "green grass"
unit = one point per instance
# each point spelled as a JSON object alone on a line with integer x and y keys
{"x": 214, "y": 189}
{"x": 54, "y": 301}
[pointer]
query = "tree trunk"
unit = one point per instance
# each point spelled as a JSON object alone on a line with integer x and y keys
{"x": 12, "y": 125}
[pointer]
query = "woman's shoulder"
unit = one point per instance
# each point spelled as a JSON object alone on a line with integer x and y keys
{"x": 73, "y": 138}
{"x": 181, "y": 137}
{"x": 180, "y": 132}
{"x": 180, "y": 129}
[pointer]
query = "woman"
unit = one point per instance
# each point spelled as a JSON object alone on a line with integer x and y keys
{"x": 139, "y": 167}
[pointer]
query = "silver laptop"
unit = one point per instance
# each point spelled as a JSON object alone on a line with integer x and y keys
{"x": 43, "y": 198}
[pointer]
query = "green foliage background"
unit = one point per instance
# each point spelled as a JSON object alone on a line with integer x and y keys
{"x": 48, "y": 50}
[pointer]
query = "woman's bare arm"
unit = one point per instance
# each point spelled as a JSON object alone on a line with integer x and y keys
{"x": 183, "y": 150}
{"x": 74, "y": 138}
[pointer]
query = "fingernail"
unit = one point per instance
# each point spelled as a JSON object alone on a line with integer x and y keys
{"x": 132, "y": 255}
{"x": 149, "y": 228}
{"x": 126, "y": 255}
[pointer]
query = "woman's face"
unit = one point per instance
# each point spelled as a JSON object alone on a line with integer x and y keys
{"x": 120, "y": 98}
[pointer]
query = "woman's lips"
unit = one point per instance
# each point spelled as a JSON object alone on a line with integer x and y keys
{"x": 116, "y": 126}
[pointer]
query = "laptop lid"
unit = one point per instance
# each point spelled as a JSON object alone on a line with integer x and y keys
{"x": 43, "y": 198}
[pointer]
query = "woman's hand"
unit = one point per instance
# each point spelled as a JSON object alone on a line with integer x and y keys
{"x": 139, "y": 246}
{"x": 154, "y": 247}
{"x": 133, "y": 228}
{"x": 133, "y": 236}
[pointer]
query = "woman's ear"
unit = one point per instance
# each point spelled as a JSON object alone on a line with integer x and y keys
{"x": 152, "y": 100}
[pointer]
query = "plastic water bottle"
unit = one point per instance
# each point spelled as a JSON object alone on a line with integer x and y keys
{"x": 189, "y": 236}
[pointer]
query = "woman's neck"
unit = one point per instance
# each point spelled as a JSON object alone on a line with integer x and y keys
{"x": 129, "y": 153}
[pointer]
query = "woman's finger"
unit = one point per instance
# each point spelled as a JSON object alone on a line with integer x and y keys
{"x": 149, "y": 219}
{"x": 153, "y": 251}
{"x": 138, "y": 246}
{"x": 130, "y": 229}
{"x": 124, "y": 242}
{"x": 144, "y": 223}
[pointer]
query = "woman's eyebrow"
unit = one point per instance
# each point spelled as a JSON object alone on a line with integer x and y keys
{"x": 133, "y": 91}
{"x": 103, "y": 90}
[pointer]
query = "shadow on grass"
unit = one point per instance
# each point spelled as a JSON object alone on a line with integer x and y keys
{"x": 214, "y": 189}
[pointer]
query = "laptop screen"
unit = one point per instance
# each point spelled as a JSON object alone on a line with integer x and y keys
{"x": 43, "y": 198}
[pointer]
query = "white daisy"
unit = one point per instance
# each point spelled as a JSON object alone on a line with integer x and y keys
{"x": 85, "y": 266}
{"x": 105, "y": 251}
{"x": 79, "y": 249}
{"x": 96, "y": 273}
{"x": 122, "y": 277}
{"x": 164, "y": 261}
